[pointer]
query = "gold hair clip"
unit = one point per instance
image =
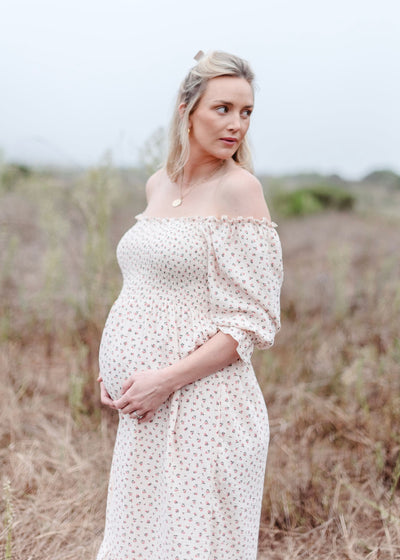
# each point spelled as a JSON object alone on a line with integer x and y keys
{"x": 198, "y": 56}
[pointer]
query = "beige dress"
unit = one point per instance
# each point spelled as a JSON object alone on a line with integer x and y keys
{"x": 188, "y": 484}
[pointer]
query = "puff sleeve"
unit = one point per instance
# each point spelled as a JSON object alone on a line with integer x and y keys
{"x": 245, "y": 277}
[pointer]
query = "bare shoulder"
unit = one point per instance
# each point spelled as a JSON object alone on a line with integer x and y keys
{"x": 241, "y": 194}
{"x": 153, "y": 182}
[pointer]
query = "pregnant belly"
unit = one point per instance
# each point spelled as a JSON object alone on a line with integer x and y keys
{"x": 132, "y": 342}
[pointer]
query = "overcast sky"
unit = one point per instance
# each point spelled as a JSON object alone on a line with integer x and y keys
{"x": 79, "y": 77}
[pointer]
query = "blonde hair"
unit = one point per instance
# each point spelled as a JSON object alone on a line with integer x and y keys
{"x": 212, "y": 65}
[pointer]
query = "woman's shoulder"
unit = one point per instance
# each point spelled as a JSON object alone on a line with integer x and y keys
{"x": 239, "y": 182}
{"x": 240, "y": 193}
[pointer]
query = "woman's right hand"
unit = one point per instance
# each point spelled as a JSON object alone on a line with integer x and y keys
{"x": 104, "y": 396}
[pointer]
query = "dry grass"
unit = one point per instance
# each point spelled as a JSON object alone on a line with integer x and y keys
{"x": 56, "y": 468}
{"x": 331, "y": 382}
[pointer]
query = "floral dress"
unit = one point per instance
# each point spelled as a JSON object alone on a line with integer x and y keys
{"x": 188, "y": 485}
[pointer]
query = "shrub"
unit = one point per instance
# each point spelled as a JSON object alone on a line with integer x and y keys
{"x": 11, "y": 173}
{"x": 309, "y": 200}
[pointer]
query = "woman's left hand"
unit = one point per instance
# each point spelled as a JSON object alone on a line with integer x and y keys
{"x": 143, "y": 393}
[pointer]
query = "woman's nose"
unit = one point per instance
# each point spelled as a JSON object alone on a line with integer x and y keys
{"x": 234, "y": 123}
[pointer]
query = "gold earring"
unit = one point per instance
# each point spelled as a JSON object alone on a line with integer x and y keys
{"x": 188, "y": 130}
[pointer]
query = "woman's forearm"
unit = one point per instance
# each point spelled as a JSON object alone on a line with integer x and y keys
{"x": 216, "y": 353}
{"x": 145, "y": 391}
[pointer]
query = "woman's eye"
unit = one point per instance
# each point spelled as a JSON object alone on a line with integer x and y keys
{"x": 222, "y": 109}
{"x": 247, "y": 112}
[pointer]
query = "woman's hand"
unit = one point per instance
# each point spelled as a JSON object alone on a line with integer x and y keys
{"x": 104, "y": 396}
{"x": 143, "y": 393}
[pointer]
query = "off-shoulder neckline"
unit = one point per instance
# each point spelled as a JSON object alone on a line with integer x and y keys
{"x": 216, "y": 219}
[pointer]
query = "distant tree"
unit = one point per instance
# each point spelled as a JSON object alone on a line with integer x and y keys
{"x": 384, "y": 177}
{"x": 11, "y": 173}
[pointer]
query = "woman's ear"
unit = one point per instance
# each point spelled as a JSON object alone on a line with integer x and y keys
{"x": 181, "y": 109}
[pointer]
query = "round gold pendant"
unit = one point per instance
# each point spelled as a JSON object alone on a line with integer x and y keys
{"x": 176, "y": 202}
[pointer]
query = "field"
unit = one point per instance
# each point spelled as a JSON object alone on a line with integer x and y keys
{"x": 331, "y": 382}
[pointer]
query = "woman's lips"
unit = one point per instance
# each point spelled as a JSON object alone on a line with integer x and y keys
{"x": 229, "y": 141}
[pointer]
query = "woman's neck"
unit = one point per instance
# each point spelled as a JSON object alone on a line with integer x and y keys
{"x": 197, "y": 169}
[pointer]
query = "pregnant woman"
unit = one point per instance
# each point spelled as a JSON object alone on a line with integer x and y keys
{"x": 202, "y": 273}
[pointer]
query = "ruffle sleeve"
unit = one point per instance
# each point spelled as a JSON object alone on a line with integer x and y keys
{"x": 245, "y": 276}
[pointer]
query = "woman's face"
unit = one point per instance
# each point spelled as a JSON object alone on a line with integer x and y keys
{"x": 220, "y": 122}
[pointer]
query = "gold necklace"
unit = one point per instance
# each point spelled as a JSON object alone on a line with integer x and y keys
{"x": 178, "y": 201}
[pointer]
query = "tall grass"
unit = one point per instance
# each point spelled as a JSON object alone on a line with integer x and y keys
{"x": 8, "y": 519}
